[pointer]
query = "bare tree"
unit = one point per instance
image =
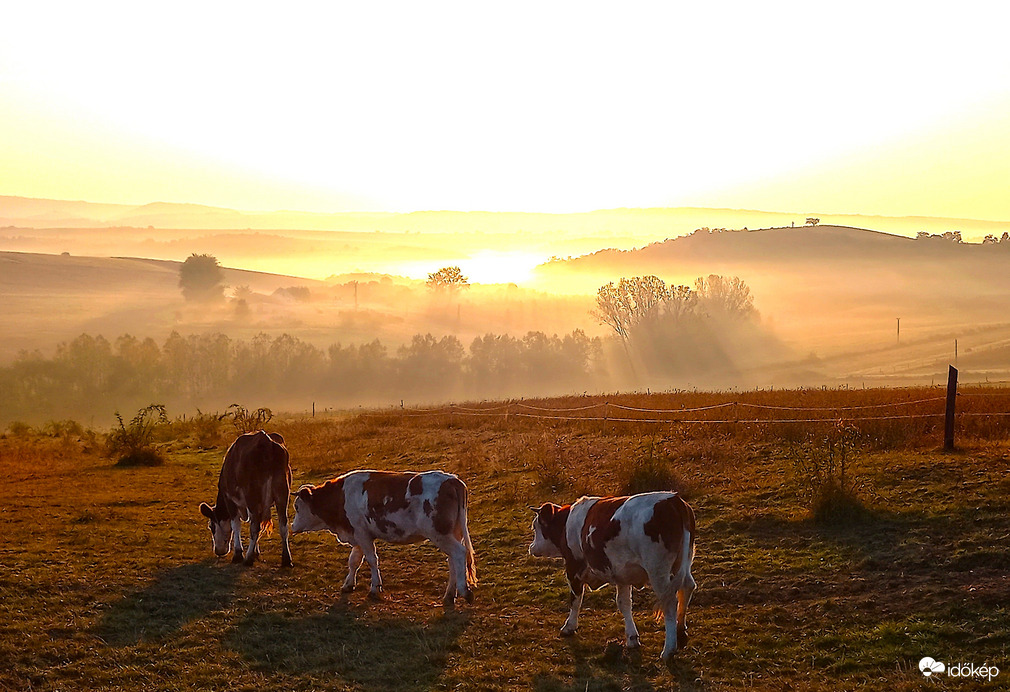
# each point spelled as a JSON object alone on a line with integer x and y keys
{"x": 811, "y": 221}
{"x": 639, "y": 300}
{"x": 729, "y": 296}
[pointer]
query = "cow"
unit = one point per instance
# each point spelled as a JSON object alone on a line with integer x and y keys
{"x": 362, "y": 506}
{"x": 625, "y": 541}
{"x": 255, "y": 475}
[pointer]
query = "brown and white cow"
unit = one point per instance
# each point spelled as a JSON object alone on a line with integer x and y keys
{"x": 362, "y": 506}
{"x": 255, "y": 475}
{"x": 625, "y": 541}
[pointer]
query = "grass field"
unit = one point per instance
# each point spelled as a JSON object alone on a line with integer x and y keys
{"x": 107, "y": 580}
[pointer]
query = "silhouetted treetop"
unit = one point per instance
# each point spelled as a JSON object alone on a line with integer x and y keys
{"x": 201, "y": 278}
{"x": 449, "y": 279}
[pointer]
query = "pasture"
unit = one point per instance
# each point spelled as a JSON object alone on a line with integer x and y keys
{"x": 107, "y": 580}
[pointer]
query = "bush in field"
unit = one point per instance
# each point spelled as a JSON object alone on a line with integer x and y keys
{"x": 133, "y": 442}
{"x": 19, "y": 428}
{"x": 245, "y": 420}
{"x": 203, "y": 429}
{"x": 652, "y": 472}
{"x": 825, "y": 480}
{"x": 63, "y": 428}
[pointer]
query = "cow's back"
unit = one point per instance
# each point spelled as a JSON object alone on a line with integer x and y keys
{"x": 255, "y": 462}
{"x": 618, "y": 538}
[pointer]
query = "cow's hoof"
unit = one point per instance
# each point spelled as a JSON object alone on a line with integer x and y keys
{"x": 633, "y": 643}
{"x": 347, "y": 588}
{"x": 449, "y": 603}
{"x": 682, "y": 638}
{"x": 376, "y": 596}
{"x": 286, "y": 562}
{"x": 565, "y": 632}
{"x": 667, "y": 656}
{"x": 236, "y": 557}
{"x": 469, "y": 596}
{"x": 250, "y": 560}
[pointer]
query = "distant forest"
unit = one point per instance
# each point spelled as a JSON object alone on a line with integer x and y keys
{"x": 89, "y": 378}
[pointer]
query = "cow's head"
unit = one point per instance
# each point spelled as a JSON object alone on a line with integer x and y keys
{"x": 220, "y": 529}
{"x": 549, "y": 530}
{"x": 305, "y": 519}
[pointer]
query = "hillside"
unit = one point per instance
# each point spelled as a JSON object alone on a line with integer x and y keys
{"x": 643, "y": 224}
{"x": 56, "y": 297}
{"x": 836, "y": 293}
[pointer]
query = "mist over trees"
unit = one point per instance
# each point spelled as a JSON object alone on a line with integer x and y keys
{"x": 90, "y": 377}
{"x": 670, "y": 332}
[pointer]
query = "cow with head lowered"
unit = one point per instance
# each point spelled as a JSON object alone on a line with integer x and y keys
{"x": 628, "y": 542}
{"x": 362, "y": 506}
{"x": 255, "y": 476}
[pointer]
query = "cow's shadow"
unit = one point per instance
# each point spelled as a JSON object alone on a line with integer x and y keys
{"x": 606, "y": 665}
{"x": 374, "y": 652}
{"x": 176, "y": 597}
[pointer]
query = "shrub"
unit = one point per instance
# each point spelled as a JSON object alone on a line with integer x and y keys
{"x": 825, "y": 481}
{"x": 141, "y": 457}
{"x": 652, "y": 472}
{"x": 63, "y": 428}
{"x": 133, "y": 442}
{"x": 19, "y": 429}
{"x": 202, "y": 430}
{"x": 246, "y": 421}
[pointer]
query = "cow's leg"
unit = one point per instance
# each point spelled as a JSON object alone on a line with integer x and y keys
{"x": 456, "y": 553}
{"x": 252, "y": 550}
{"x": 572, "y": 623}
{"x": 666, "y": 598}
{"x": 683, "y": 599}
{"x": 353, "y": 563}
{"x": 368, "y": 548}
{"x": 236, "y": 539}
{"x": 282, "y": 519}
{"x": 624, "y": 605}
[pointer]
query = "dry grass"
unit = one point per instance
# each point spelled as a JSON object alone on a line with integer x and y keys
{"x": 107, "y": 579}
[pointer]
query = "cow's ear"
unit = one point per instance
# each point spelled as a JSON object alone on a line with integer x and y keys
{"x": 304, "y": 492}
{"x": 547, "y": 510}
{"x": 206, "y": 510}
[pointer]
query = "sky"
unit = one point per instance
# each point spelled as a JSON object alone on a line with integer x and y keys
{"x": 893, "y": 108}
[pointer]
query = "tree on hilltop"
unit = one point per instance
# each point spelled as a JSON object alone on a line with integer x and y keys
{"x": 201, "y": 278}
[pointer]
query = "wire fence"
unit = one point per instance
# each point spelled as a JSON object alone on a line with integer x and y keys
{"x": 737, "y": 412}
{"x": 930, "y": 411}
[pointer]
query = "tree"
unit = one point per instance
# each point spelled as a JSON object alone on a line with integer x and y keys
{"x": 448, "y": 279}
{"x": 811, "y": 221}
{"x": 725, "y": 295}
{"x": 201, "y": 278}
{"x": 639, "y": 300}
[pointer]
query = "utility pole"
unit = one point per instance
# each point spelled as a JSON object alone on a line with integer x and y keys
{"x": 899, "y": 331}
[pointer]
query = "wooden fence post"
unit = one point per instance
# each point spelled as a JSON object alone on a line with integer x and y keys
{"x": 948, "y": 425}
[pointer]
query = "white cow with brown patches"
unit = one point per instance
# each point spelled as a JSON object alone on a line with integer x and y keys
{"x": 628, "y": 542}
{"x": 362, "y": 506}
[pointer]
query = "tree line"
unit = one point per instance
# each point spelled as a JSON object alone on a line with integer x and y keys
{"x": 91, "y": 377}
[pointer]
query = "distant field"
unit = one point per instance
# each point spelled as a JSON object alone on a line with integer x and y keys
{"x": 107, "y": 579}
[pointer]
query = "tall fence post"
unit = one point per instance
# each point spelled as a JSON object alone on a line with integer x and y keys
{"x": 948, "y": 424}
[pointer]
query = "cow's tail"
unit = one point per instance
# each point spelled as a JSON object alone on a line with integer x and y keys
{"x": 471, "y": 562}
{"x": 680, "y": 571}
{"x": 266, "y": 527}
